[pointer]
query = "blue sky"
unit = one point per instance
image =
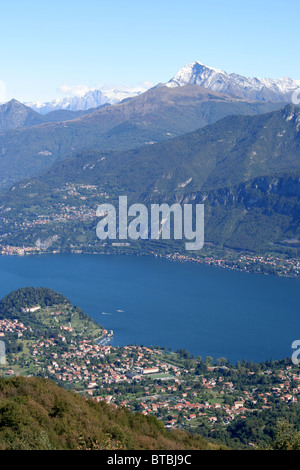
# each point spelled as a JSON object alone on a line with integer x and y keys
{"x": 48, "y": 44}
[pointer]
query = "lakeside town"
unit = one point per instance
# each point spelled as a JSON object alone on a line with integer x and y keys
{"x": 264, "y": 264}
{"x": 184, "y": 392}
{"x": 68, "y": 225}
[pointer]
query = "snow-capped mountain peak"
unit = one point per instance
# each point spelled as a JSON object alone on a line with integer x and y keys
{"x": 256, "y": 89}
{"x": 92, "y": 99}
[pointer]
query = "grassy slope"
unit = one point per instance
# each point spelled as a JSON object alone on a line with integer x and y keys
{"x": 36, "y": 414}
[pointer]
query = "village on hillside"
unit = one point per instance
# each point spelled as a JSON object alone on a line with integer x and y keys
{"x": 182, "y": 391}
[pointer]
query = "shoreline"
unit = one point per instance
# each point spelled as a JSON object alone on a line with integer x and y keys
{"x": 180, "y": 258}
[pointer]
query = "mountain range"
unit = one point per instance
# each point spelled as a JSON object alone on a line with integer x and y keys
{"x": 91, "y": 99}
{"x": 195, "y": 73}
{"x": 15, "y": 115}
{"x": 158, "y": 114}
{"x": 205, "y": 136}
{"x": 245, "y": 169}
{"x": 256, "y": 89}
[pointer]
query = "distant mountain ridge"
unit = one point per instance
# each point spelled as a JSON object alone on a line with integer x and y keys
{"x": 228, "y": 152}
{"x": 156, "y": 115}
{"x": 91, "y": 99}
{"x": 256, "y": 89}
{"x": 16, "y": 115}
{"x": 195, "y": 73}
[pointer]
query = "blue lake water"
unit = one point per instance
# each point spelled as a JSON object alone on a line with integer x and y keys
{"x": 205, "y": 310}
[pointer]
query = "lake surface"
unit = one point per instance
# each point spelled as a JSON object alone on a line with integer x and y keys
{"x": 149, "y": 301}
